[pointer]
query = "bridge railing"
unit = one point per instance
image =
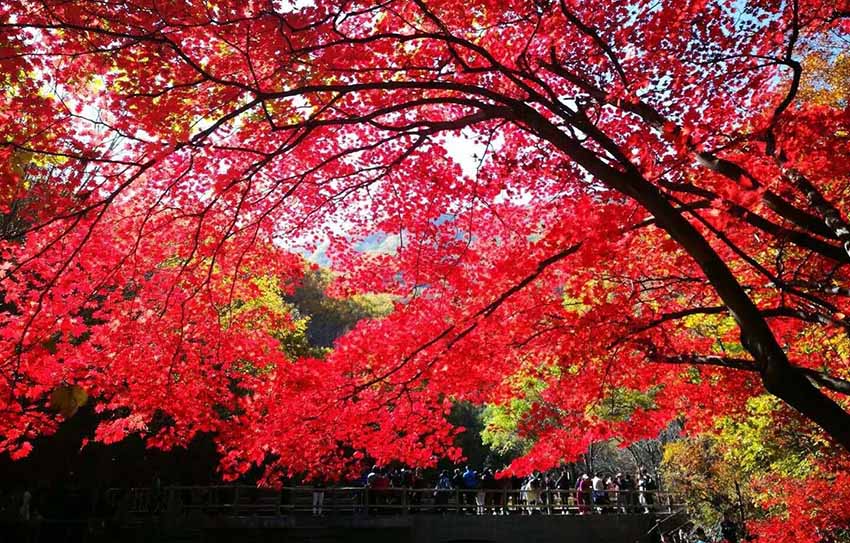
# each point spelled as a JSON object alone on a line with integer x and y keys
{"x": 241, "y": 500}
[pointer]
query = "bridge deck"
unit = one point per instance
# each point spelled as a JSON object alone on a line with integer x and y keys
{"x": 234, "y": 500}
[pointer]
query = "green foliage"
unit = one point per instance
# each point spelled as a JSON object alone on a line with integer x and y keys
{"x": 306, "y": 321}
{"x": 295, "y": 342}
{"x": 477, "y": 441}
{"x": 328, "y": 318}
{"x": 696, "y": 469}
{"x": 727, "y": 469}
{"x": 720, "y": 327}
{"x": 760, "y": 443}
{"x": 279, "y": 317}
{"x": 501, "y": 424}
{"x": 620, "y": 403}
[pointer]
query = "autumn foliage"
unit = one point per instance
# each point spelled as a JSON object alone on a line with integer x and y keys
{"x": 624, "y": 200}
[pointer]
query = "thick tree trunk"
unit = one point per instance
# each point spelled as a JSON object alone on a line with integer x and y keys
{"x": 778, "y": 375}
{"x": 798, "y": 392}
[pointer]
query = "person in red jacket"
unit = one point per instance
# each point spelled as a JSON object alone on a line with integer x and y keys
{"x": 583, "y": 490}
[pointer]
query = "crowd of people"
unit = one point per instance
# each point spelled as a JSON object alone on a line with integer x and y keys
{"x": 483, "y": 492}
{"x": 392, "y": 491}
{"x": 473, "y": 492}
{"x": 620, "y": 492}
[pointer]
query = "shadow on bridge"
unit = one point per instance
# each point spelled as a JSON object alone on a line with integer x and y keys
{"x": 245, "y": 514}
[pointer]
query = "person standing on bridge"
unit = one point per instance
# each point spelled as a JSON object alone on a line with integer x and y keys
{"x": 583, "y": 492}
{"x": 531, "y": 492}
{"x": 612, "y": 493}
{"x": 647, "y": 488}
{"x": 622, "y": 492}
{"x": 600, "y": 497}
{"x": 418, "y": 485}
{"x": 471, "y": 483}
{"x": 562, "y": 483}
{"x": 488, "y": 488}
{"x": 318, "y": 496}
{"x": 442, "y": 491}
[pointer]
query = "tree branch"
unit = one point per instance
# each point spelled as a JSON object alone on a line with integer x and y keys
{"x": 817, "y": 378}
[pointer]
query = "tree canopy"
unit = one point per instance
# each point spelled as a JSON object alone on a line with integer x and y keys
{"x": 621, "y": 200}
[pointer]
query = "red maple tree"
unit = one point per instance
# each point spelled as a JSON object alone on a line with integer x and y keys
{"x": 616, "y": 197}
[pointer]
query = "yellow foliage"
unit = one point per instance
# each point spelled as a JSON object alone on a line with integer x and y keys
{"x": 826, "y": 80}
{"x": 696, "y": 469}
{"x": 67, "y": 399}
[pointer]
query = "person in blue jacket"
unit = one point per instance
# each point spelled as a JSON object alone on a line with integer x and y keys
{"x": 470, "y": 485}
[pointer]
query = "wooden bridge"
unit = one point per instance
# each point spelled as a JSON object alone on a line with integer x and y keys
{"x": 247, "y": 514}
{"x": 235, "y": 500}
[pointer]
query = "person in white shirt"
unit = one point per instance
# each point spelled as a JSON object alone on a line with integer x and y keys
{"x": 599, "y": 495}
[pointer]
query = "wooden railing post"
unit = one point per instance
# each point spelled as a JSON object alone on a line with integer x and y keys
{"x": 404, "y": 505}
